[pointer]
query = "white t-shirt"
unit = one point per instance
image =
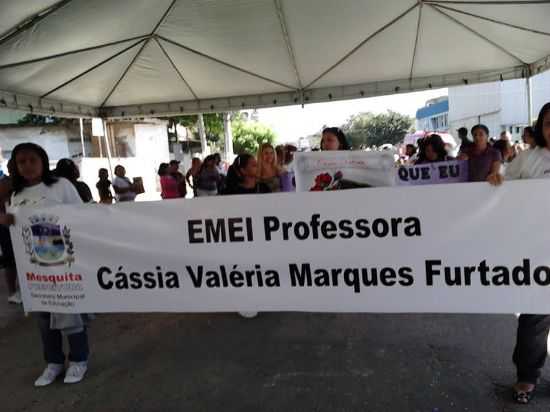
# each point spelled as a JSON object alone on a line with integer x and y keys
{"x": 530, "y": 164}
{"x": 123, "y": 183}
{"x": 40, "y": 195}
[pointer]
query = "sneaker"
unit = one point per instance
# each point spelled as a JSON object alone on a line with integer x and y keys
{"x": 15, "y": 298}
{"x": 75, "y": 372}
{"x": 50, "y": 374}
{"x": 248, "y": 315}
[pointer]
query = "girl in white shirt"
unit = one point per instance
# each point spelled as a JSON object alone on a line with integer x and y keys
{"x": 35, "y": 186}
{"x": 532, "y": 334}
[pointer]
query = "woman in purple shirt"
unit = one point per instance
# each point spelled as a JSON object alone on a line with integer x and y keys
{"x": 483, "y": 161}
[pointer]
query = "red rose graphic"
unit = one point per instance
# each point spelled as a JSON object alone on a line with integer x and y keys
{"x": 322, "y": 181}
{"x": 325, "y": 179}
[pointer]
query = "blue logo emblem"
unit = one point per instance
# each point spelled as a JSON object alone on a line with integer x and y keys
{"x": 47, "y": 243}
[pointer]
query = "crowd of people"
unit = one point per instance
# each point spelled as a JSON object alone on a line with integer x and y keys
{"x": 485, "y": 156}
{"x": 31, "y": 183}
{"x": 266, "y": 172}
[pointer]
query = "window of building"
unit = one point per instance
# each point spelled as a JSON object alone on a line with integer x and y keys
{"x": 125, "y": 146}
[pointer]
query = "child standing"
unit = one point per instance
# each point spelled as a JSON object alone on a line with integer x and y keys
{"x": 35, "y": 186}
{"x": 104, "y": 187}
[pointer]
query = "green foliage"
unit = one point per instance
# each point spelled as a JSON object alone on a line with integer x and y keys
{"x": 37, "y": 120}
{"x": 213, "y": 125}
{"x": 368, "y": 129}
{"x": 248, "y": 136}
{"x": 187, "y": 121}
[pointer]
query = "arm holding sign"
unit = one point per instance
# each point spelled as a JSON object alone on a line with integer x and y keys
{"x": 494, "y": 177}
{"x": 7, "y": 219}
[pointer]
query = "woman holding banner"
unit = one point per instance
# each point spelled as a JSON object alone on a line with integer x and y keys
{"x": 483, "y": 161}
{"x": 333, "y": 138}
{"x": 532, "y": 334}
{"x": 35, "y": 186}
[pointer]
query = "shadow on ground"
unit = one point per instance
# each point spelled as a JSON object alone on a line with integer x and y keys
{"x": 275, "y": 362}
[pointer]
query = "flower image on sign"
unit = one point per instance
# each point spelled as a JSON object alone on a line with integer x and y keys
{"x": 322, "y": 171}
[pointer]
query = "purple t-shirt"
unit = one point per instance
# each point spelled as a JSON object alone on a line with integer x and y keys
{"x": 286, "y": 182}
{"x": 479, "y": 164}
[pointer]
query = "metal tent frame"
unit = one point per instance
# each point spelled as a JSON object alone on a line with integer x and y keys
{"x": 294, "y": 94}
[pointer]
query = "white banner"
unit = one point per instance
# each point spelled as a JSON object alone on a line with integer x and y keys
{"x": 325, "y": 171}
{"x": 445, "y": 248}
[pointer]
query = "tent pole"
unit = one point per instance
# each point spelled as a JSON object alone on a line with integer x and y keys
{"x": 202, "y": 133}
{"x": 100, "y": 145}
{"x": 228, "y": 134}
{"x": 82, "y": 137}
{"x": 529, "y": 100}
{"x": 106, "y": 133}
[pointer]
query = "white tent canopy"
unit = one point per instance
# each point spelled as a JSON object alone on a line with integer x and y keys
{"x": 121, "y": 58}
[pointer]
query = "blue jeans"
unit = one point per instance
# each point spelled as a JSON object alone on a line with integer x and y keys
{"x": 52, "y": 343}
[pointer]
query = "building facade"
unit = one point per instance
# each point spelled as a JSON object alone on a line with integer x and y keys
{"x": 434, "y": 117}
{"x": 501, "y": 106}
{"x": 139, "y": 146}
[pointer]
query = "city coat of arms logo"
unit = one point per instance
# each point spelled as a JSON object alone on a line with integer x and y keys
{"x": 46, "y": 242}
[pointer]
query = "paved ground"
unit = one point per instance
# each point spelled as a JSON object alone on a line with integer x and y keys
{"x": 276, "y": 362}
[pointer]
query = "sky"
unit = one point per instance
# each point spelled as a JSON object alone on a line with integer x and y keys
{"x": 292, "y": 122}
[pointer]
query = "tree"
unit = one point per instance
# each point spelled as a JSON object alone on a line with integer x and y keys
{"x": 368, "y": 129}
{"x": 213, "y": 125}
{"x": 248, "y": 136}
{"x": 37, "y": 120}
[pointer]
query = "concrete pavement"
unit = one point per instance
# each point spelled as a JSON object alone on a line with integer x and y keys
{"x": 275, "y": 362}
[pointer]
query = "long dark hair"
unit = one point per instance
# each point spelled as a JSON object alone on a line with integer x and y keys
{"x": 539, "y": 138}
{"x": 19, "y": 182}
{"x": 438, "y": 145}
{"x": 163, "y": 169}
{"x": 209, "y": 158}
{"x": 336, "y": 131}
{"x": 67, "y": 168}
{"x": 482, "y": 127}
{"x": 234, "y": 176}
